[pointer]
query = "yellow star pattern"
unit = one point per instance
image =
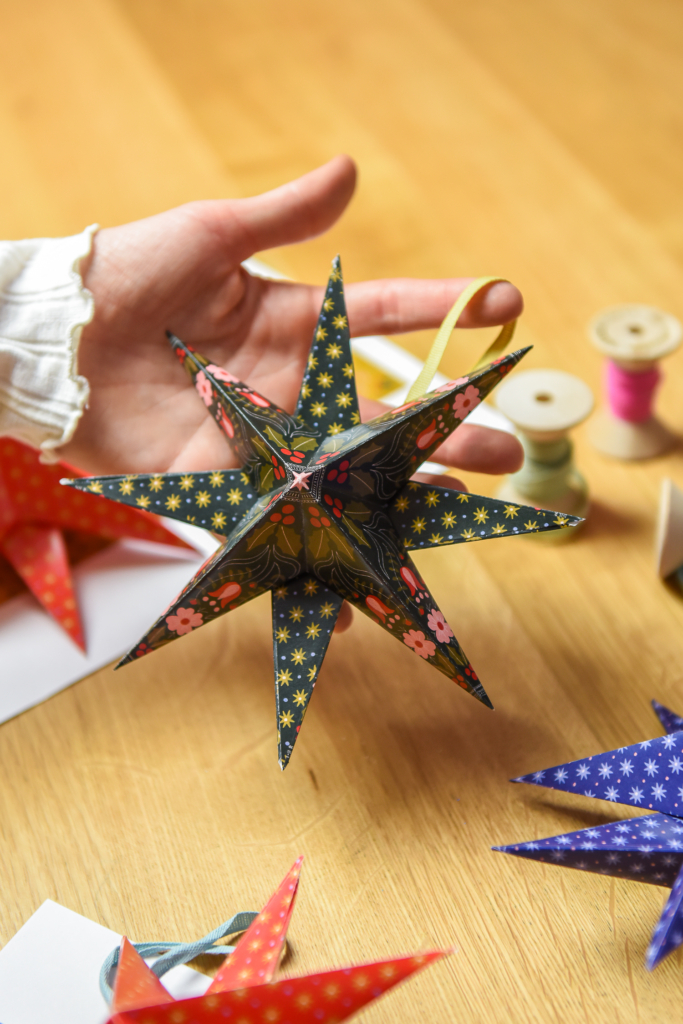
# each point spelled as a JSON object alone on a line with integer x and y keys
{"x": 173, "y": 502}
{"x": 296, "y": 614}
{"x": 402, "y": 503}
{"x": 320, "y": 334}
{"x": 286, "y": 718}
{"x": 436, "y": 538}
{"x": 95, "y": 487}
{"x": 432, "y": 498}
{"x": 244, "y": 477}
{"x": 347, "y": 370}
{"x": 203, "y": 498}
{"x": 299, "y": 656}
{"x": 448, "y": 519}
{"x": 313, "y": 631}
{"x": 531, "y": 525}
{"x": 468, "y": 534}
{"x": 282, "y": 634}
{"x": 340, "y": 322}
{"x": 284, "y": 677}
{"x": 156, "y": 483}
{"x": 310, "y": 587}
{"x": 300, "y": 697}
{"x": 463, "y": 497}
{"x": 186, "y": 482}
{"x": 418, "y": 525}
{"x": 328, "y": 304}
{"x": 318, "y": 409}
{"x": 280, "y": 592}
{"x": 481, "y": 515}
{"x": 216, "y": 479}
{"x": 510, "y": 511}
{"x": 311, "y": 673}
{"x": 326, "y": 610}
{"x": 312, "y": 362}
{"x": 334, "y": 350}
{"x": 234, "y": 496}
{"x": 324, "y": 380}
{"x": 142, "y": 501}
{"x": 218, "y": 520}
{"x": 344, "y": 399}
{"x": 305, "y": 391}
{"x": 335, "y": 428}
{"x": 126, "y": 486}
{"x": 498, "y": 529}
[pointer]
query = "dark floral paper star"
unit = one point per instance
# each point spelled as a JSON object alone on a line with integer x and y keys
{"x": 648, "y": 849}
{"x": 324, "y": 510}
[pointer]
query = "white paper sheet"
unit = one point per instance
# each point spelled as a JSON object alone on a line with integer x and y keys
{"x": 121, "y": 591}
{"x": 49, "y": 971}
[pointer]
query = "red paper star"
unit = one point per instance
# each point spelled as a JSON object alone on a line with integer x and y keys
{"x": 34, "y": 510}
{"x": 244, "y": 990}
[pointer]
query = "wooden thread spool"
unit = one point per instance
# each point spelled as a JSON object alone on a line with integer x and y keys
{"x": 544, "y": 406}
{"x": 634, "y": 339}
{"x": 669, "y": 535}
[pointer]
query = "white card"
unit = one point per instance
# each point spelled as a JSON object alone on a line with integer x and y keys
{"x": 49, "y": 971}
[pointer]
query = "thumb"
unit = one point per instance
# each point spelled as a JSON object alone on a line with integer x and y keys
{"x": 301, "y": 209}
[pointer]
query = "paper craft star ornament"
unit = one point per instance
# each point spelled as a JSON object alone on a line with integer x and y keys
{"x": 648, "y": 849}
{"x": 324, "y": 511}
{"x": 34, "y": 510}
{"x": 243, "y": 990}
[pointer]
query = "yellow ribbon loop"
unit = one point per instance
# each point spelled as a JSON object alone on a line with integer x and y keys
{"x": 498, "y": 345}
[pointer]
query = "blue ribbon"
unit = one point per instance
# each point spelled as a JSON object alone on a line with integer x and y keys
{"x": 175, "y": 953}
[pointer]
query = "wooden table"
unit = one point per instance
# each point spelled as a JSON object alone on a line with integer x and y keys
{"x": 542, "y": 141}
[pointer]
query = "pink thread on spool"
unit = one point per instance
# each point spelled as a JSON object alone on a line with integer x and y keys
{"x": 631, "y": 393}
{"x": 634, "y": 339}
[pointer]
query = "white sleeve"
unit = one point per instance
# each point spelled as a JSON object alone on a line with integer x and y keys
{"x": 43, "y": 309}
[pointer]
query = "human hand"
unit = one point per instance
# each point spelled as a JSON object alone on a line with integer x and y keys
{"x": 181, "y": 271}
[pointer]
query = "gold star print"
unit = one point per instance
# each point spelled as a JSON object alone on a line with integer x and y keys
{"x": 312, "y": 362}
{"x": 311, "y": 673}
{"x": 328, "y": 304}
{"x": 432, "y": 498}
{"x": 402, "y": 503}
{"x": 305, "y": 391}
{"x": 310, "y": 587}
{"x": 324, "y": 380}
{"x": 299, "y": 656}
{"x": 335, "y": 275}
{"x": 282, "y": 634}
{"x": 286, "y": 718}
{"x": 355, "y": 418}
{"x": 142, "y": 501}
{"x": 156, "y": 483}
{"x": 343, "y": 399}
{"x": 334, "y": 350}
{"x": 126, "y": 486}
{"x": 560, "y": 521}
{"x": 498, "y": 529}
{"x": 468, "y": 534}
{"x": 244, "y": 477}
{"x": 216, "y": 479}
{"x": 413, "y": 486}
{"x": 186, "y": 482}
{"x": 418, "y": 525}
{"x": 339, "y": 322}
{"x": 95, "y": 487}
{"x": 173, "y": 502}
{"x": 335, "y": 428}
{"x": 284, "y": 677}
{"x": 326, "y": 610}
{"x": 318, "y": 409}
{"x": 481, "y": 515}
{"x": 203, "y": 498}
{"x": 234, "y": 496}
{"x": 320, "y": 334}
{"x": 296, "y": 614}
{"x": 313, "y": 631}
{"x": 463, "y": 497}
{"x": 347, "y": 370}
{"x": 219, "y": 520}
{"x": 531, "y": 525}
{"x": 448, "y": 520}
{"x": 510, "y": 511}
{"x": 300, "y": 697}
{"x": 280, "y": 592}
{"x": 436, "y": 538}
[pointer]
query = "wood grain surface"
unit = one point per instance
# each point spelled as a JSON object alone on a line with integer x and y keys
{"x": 542, "y": 141}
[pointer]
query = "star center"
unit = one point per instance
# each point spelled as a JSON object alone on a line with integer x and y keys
{"x": 300, "y": 481}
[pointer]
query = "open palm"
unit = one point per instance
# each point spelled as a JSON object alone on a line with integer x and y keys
{"x": 181, "y": 271}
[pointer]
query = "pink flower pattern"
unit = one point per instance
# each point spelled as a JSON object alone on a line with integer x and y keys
{"x": 465, "y": 403}
{"x": 203, "y": 386}
{"x": 419, "y": 643}
{"x": 220, "y": 374}
{"x": 451, "y": 384}
{"x": 438, "y": 625}
{"x": 184, "y": 621}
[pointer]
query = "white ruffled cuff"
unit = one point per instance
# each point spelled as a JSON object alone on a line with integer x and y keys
{"x": 43, "y": 309}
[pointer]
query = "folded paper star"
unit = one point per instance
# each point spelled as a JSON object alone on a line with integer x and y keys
{"x": 324, "y": 511}
{"x": 34, "y": 510}
{"x": 243, "y": 990}
{"x": 648, "y": 849}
